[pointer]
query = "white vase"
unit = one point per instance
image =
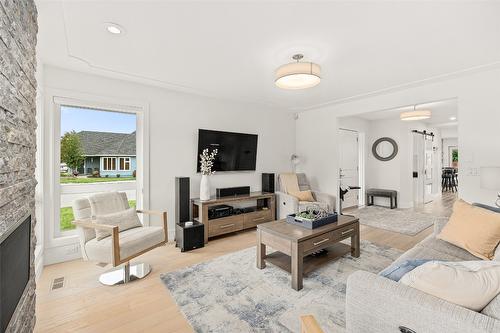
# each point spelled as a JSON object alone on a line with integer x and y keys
{"x": 204, "y": 188}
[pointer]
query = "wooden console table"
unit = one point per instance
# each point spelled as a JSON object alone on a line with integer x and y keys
{"x": 263, "y": 211}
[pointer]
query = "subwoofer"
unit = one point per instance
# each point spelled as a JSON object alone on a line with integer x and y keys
{"x": 182, "y": 200}
{"x": 268, "y": 182}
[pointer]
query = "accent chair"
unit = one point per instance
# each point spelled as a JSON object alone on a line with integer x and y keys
{"x": 120, "y": 246}
{"x": 289, "y": 204}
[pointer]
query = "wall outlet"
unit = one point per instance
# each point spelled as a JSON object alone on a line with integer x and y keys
{"x": 472, "y": 172}
{"x": 72, "y": 249}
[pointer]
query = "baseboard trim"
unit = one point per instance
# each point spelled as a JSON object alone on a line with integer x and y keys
{"x": 55, "y": 255}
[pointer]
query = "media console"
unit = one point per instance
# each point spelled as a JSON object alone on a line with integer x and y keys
{"x": 262, "y": 209}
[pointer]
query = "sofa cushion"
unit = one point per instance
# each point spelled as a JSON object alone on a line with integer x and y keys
{"x": 490, "y": 208}
{"x": 471, "y": 284}
{"x": 435, "y": 249}
{"x": 474, "y": 229}
{"x": 446, "y": 248}
{"x": 493, "y": 308}
{"x": 131, "y": 241}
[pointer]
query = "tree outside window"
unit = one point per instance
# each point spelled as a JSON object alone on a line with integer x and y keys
{"x": 71, "y": 151}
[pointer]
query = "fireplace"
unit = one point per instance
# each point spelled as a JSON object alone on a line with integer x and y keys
{"x": 14, "y": 268}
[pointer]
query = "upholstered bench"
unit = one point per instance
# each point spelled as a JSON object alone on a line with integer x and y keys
{"x": 377, "y": 192}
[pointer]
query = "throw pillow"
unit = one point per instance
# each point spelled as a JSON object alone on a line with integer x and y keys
{"x": 125, "y": 220}
{"x": 471, "y": 284}
{"x": 303, "y": 195}
{"x": 474, "y": 229}
{"x": 396, "y": 272}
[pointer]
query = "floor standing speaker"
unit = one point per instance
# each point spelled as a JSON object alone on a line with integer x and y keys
{"x": 268, "y": 182}
{"x": 182, "y": 200}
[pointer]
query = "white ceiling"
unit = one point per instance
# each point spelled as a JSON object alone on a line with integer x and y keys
{"x": 230, "y": 49}
{"x": 442, "y": 111}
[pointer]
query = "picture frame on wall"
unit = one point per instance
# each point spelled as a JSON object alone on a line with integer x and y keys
{"x": 453, "y": 156}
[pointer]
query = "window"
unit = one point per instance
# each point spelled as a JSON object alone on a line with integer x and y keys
{"x": 124, "y": 163}
{"x": 109, "y": 163}
{"x": 98, "y": 130}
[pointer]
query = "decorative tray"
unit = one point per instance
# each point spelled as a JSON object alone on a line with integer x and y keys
{"x": 312, "y": 223}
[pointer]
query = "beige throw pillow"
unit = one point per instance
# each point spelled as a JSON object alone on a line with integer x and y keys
{"x": 471, "y": 284}
{"x": 474, "y": 229}
{"x": 303, "y": 195}
{"x": 125, "y": 220}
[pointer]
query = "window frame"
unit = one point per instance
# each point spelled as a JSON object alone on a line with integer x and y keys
{"x": 56, "y": 240}
{"x": 104, "y": 163}
{"x": 126, "y": 159}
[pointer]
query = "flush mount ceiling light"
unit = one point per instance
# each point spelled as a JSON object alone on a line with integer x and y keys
{"x": 114, "y": 28}
{"x": 453, "y": 118}
{"x": 298, "y": 75}
{"x": 415, "y": 115}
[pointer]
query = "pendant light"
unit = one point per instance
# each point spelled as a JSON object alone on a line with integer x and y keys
{"x": 415, "y": 115}
{"x": 298, "y": 75}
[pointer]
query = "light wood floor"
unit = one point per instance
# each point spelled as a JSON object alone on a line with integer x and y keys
{"x": 84, "y": 305}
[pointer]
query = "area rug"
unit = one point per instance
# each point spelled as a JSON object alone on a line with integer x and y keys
{"x": 229, "y": 294}
{"x": 403, "y": 221}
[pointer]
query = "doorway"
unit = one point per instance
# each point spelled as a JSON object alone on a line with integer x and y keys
{"x": 349, "y": 170}
{"x": 424, "y": 167}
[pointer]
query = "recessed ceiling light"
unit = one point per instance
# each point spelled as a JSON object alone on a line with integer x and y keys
{"x": 114, "y": 28}
{"x": 453, "y": 118}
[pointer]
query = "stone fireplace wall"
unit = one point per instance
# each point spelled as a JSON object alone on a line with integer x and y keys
{"x": 18, "y": 29}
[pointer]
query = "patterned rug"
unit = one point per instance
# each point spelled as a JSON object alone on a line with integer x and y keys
{"x": 403, "y": 221}
{"x": 229, "y": 294}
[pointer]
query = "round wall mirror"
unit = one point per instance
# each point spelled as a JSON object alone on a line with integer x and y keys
{"x": 385, "y": 149}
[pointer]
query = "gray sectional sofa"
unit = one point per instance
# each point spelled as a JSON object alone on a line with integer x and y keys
{"x": 376, "y": 304}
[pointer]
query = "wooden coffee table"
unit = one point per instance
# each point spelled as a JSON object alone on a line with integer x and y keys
{"x": 294, "y": 244}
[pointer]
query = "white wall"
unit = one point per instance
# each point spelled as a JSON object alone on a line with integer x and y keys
{"x": 174, "y": 122}
{"x": 478, "y": 113}
{"x": 449, "y": 132}
{"x": 316, "y": 135}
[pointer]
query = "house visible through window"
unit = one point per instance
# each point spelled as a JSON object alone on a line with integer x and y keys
{"x": 124, "y": 163}
{"x": 109, "y": 163}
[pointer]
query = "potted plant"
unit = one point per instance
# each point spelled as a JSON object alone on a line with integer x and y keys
{"x": 206, "y": 164}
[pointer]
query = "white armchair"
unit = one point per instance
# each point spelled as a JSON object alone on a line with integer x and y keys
{"x": 289, "y": 204}
{"x": 122, "y": 246}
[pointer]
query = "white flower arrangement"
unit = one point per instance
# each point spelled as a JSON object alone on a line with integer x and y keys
{"x": 207, "y": 161}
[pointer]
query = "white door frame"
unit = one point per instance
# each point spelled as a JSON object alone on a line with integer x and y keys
{"x": 361, "y": 167}
{"x": 55, "y": 98}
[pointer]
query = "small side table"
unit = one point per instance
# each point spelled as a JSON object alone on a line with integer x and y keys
{"x": 189, "y": 237}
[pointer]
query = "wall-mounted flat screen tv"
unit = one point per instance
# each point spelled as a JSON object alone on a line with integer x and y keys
{"x": 236, "y": 151}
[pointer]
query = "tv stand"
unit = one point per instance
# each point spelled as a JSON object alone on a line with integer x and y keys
{"x": 264, "y": 210}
